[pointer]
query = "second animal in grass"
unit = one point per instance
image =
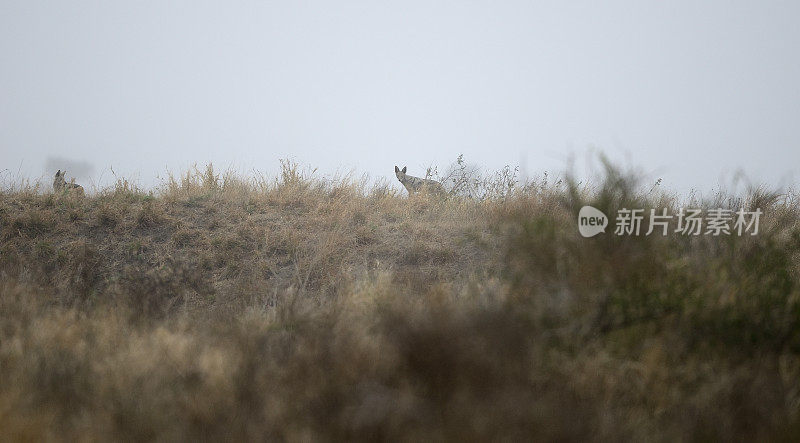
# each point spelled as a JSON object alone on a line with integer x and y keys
{"x": 60, "y": 184}
{"x": 417, "y": 184}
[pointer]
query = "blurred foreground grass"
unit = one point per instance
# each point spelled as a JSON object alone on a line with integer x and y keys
{"x": 299, "y": 308}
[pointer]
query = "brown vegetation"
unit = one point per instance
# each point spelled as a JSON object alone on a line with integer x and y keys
{"x": 306, "y": 309}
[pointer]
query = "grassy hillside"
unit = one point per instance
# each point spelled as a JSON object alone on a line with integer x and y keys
{"x": 307, "y": 309}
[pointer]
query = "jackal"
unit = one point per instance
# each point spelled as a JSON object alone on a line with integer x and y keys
{"x": 417, "y": 184}
{"x": 61, "y": 185}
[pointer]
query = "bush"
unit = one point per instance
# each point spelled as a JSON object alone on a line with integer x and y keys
{"x": 221, "y": 307}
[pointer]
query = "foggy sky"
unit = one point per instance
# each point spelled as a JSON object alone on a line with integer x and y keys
{"x": 691, "y": 91}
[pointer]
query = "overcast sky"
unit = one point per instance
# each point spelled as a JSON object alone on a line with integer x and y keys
{"x": 691, "y": 91}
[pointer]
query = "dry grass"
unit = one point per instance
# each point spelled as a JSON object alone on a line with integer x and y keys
{"x": 299, "y": 308}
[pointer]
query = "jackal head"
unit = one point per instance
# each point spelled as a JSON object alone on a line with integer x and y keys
{"x": 400, "y": 173}
{"x": 59, "y": 181}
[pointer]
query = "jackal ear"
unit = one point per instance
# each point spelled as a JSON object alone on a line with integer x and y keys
{"x": 58, "y": 173}
{"x": 396, "y": 169}
{"x": 404, "y": 169}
